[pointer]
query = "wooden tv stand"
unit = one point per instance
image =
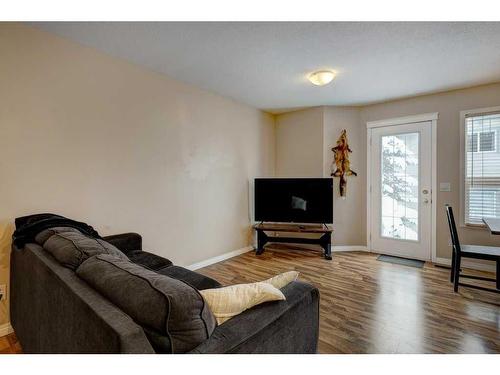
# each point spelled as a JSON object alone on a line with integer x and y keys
{"x": 324, "y": 240}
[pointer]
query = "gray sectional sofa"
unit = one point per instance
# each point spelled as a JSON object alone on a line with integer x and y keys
{"x": 71, "y": 293}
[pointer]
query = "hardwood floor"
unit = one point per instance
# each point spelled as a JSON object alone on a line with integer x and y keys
{"x": 368, "y": 306}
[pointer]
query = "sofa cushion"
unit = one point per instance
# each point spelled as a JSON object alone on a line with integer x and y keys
{"x": 161, "y": 303}
{"x": 44, "y": 235}
{"x": 148, "y": 260}
{"x": 194, "y": 279}
{"x": 71, "y": 247}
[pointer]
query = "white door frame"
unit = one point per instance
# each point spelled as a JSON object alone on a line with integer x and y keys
{"x": 426, "y": 117}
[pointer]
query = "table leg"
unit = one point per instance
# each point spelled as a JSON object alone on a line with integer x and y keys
{"x": 498, "y": 274}
{"x": 261, "y": 241}
{"x": 326, "y": 244}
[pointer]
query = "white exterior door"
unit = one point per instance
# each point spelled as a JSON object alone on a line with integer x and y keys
{"x": 400, "y": 190}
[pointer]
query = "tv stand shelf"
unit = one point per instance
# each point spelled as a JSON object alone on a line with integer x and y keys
{"x": 324, "y": 240}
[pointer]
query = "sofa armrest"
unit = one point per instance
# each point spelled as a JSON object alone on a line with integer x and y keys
{"x": 125, "y": 241}
{"x": 54, "y": 311}
{"x": 290, "y": 326}
{"x": 152, "y": 261}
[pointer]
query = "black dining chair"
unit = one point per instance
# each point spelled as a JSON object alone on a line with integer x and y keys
{"x": 470, "y": 251}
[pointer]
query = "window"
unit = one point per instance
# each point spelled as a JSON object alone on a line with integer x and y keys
{"x": 481, "y": 171}
{"x": 399, "y": 186}
{"x": 486, "y": 142}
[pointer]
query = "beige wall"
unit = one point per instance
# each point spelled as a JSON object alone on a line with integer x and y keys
{"x": 349, "y": 213}
{"x": 448, "y": 105}
{"x": 298, "y": 135}
{"x": 101, "y": 140}
{"x": 303, "y": 148}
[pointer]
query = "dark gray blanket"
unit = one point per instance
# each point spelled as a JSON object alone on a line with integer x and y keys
{"x": 27, "y": 227}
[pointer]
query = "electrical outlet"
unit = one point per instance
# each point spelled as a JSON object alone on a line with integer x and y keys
{"x": 3, "y": 292}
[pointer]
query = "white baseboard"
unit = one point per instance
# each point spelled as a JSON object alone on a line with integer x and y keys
{"x": 5, "y": 329}
{"x": 219, "y": 258}
{"x": 349, "y": 248}
{"x": 231, "y": 254}
{"x": 468, "y": 263}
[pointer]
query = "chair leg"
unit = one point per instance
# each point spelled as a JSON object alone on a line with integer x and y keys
{"x": 452, "y": 273}
{"x": 456, "y": 273}
{"x": 498, "y": 274}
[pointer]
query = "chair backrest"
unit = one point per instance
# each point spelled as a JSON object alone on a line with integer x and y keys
{"x": 453, "y": 228}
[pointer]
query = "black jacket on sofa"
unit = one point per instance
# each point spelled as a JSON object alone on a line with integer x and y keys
{"x": 54, "y": 311}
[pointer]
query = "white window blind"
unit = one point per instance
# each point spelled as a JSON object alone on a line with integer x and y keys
{"x": 482, "y": 167}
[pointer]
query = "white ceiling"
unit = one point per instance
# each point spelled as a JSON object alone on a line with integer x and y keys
{"x": 265, "y": 64}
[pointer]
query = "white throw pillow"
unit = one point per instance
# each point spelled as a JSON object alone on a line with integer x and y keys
{"x": 283, "y": 279}
{"x": 232, "y": 300}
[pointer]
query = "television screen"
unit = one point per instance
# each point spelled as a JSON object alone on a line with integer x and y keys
{"x": 294, "y": 200}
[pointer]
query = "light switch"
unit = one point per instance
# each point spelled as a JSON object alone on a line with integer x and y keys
{"x": 444, "y": 186}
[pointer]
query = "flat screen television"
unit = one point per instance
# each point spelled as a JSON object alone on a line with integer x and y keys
{"x": 294, "y": 200}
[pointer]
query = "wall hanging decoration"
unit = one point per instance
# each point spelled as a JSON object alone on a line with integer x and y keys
{"x": 342, "y": 164}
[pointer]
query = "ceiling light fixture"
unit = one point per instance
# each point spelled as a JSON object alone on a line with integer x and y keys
{"x": 321, "y": 77}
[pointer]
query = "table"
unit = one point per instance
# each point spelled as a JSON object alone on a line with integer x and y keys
{"x": 492, "y": 224}
{"x": 324, "y": 241}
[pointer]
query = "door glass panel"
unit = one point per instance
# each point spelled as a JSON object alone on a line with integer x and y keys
{"x": 399, "y": 186}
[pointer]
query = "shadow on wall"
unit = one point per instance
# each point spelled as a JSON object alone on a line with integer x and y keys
{"x": 6, "y": 230}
